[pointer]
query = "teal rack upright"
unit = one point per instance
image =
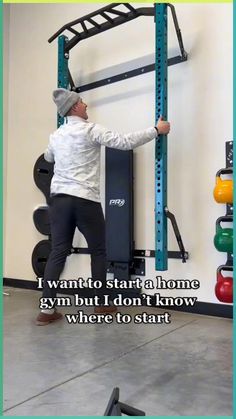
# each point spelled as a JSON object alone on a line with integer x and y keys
{"x": 161, "y": 251}
{"x": 63, "y": 70}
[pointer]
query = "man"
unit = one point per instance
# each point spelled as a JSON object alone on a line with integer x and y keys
{"x": 75, "y": 149}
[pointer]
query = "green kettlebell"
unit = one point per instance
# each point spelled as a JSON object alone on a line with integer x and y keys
{"x": 223, "y": 239}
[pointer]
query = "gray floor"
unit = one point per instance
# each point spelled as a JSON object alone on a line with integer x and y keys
{"x": 184, "y": 368}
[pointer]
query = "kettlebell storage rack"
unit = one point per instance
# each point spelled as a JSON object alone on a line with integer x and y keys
{"x": 101, "y": 20}
{"x": 229, "y": 207}
{"x": 224, "y": 246}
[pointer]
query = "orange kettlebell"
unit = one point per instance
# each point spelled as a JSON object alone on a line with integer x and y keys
{"x": 223, "y": 191}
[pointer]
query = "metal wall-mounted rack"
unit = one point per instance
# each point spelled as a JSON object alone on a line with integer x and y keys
{"x": 101, "y": 20}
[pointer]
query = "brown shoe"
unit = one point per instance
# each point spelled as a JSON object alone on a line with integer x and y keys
{"x": 43, "y": 318}
{"x": 105, "y": 309}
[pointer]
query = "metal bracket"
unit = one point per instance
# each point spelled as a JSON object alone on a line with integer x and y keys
{"x": 126, "y": 75}
{"x": 151, "y": 254}
{"x": 138, "y": 267}
{"x": 177, "y": 233}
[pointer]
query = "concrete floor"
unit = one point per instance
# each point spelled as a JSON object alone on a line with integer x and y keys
{"x": 180, "y": 369}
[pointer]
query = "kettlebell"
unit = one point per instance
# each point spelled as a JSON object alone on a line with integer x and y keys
{"x": 224, "y": 285}
{"x": 223, "y": 191}
{"x": 223, "y": 239}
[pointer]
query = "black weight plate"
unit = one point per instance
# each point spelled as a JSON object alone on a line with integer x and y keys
{"x": 41, "y": 220}
{"x": 43, "y": 172}
{"x": 40, "y": 256}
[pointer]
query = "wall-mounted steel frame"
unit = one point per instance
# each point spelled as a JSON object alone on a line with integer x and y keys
{"x": 88, "y": 26}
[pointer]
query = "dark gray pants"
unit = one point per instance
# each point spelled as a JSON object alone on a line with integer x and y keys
{"x": 66, "y": 213}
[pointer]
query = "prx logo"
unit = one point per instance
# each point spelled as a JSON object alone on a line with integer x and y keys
{"x": 117, "y": 202}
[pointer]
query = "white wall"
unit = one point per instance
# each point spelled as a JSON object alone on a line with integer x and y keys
{"x": 200, "y": 112}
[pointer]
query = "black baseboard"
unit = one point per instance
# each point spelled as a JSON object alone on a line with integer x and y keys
{"x": 20, "y": 283}
{"x": 207, "y": 309}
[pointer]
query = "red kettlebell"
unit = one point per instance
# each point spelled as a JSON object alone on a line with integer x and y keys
{"x": 224, "y": 285}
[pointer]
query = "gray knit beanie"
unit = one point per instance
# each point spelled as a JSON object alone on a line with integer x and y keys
{"x": 65, "y": 99}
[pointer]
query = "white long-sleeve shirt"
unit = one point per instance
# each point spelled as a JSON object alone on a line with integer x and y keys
{"x": 75, "y": 149}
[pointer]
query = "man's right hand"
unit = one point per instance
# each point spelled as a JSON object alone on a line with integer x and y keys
{"x": 163, "y": 126}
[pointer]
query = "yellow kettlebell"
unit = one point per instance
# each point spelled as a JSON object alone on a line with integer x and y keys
{"x": 223, "y": 191}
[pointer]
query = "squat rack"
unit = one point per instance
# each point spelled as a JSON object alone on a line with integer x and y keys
{"x": 102, "y": 20}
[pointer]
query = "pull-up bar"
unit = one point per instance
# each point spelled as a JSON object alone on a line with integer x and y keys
{"x": 109, "y": 21}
